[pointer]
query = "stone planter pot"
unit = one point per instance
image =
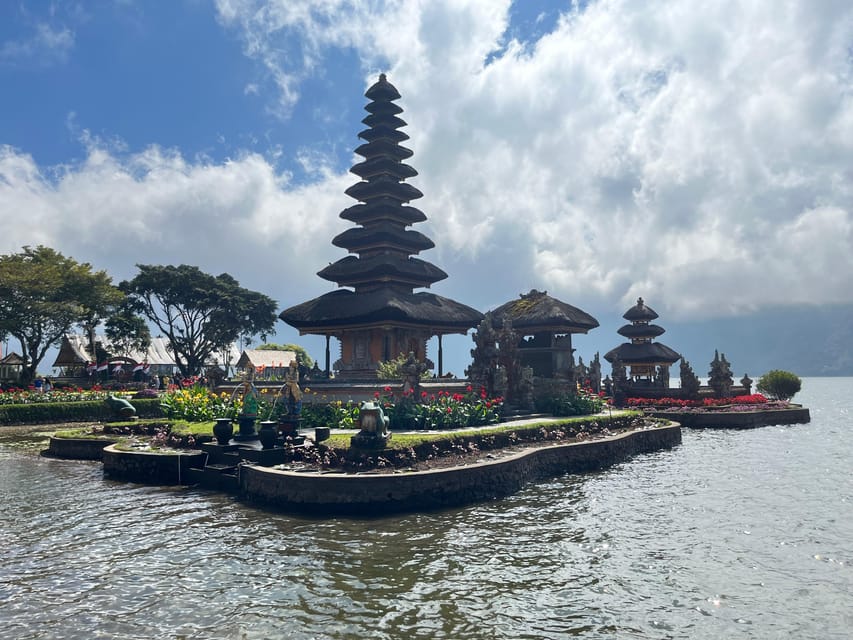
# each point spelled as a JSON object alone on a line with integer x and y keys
{"x": 288, "y": 425}
{"x": 247, "y": 428}
{"x": 268, "y": 434}
{"x": 223, "y": 430}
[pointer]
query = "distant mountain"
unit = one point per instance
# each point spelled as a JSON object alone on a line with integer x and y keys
{"x": 807, "y": 340}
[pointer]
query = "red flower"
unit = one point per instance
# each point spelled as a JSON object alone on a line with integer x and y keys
{"x": 449, "y": 410}
{"x": 424, "y": 394}
{"x": 376, "y": 394}
{"x": 469, "y": 388}
{"x": 387, "y": 389}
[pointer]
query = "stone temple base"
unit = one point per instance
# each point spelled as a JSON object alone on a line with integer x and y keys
{"x": 370, "y": 440}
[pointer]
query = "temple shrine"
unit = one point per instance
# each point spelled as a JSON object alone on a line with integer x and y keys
{"x": 649, "y": 361}
{"x": 376, "y": 314}
{"x": 545, "y": 326}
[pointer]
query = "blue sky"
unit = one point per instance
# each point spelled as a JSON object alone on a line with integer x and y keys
{"x": 695, "y": 153}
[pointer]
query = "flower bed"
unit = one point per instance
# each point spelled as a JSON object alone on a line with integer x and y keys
{"x": 440, "y": 410}
{"x": 416, "y": 451}
{"x": 716, "y": 404}
{"x": 28, "y": 396}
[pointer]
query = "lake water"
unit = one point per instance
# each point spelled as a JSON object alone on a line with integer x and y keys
{"x": 733, "y": 534}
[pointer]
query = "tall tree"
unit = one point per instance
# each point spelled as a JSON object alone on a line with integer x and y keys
{"x": 197, "y": 312}
{"x": 43, "y": 294}
{"x": 127, "y": 331}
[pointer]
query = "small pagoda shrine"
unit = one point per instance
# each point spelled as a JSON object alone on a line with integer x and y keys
{"x": 649, "y": 361}
{"x": 376, "y": 315}
{"x": 545, "y": 326}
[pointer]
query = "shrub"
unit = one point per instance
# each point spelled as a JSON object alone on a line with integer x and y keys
{"x": 57, "y": 412}
{"x": 582, "y": 403}
{"x": 779, "y": 385}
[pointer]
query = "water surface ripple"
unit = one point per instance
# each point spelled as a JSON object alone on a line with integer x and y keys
{"x": 734, "y": 534}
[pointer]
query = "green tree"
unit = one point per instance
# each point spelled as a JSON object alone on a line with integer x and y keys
{"x": 197, "y": 312}
{"x": 43, "y": 294}
{"x": 393, "y": 369}
{"x": 302, "y": 357}
{"x": 779, "y": 385}
{"x": 127, "y": 332}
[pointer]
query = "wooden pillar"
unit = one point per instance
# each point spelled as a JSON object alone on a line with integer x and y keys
{"x": 440, "y": 357}
{"x": 328, "y": 372}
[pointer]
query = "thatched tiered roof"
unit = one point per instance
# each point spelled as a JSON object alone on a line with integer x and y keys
{"x": 383, "y": 272}
{"x": 641, "y": 350}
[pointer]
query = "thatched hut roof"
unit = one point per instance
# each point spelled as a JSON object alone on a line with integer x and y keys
{"x": 346, "y": 309}
{"x": 74, "y": 351}
{"x": 268, "y": 358}
{"x": 12, "y": 360}
{"x": 537, "y": 311}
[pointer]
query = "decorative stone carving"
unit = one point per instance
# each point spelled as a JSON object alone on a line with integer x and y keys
{"x": 720, "y": 376}
{"x": 689, "y": 381}
{"x": 373, "y": 425}
{"x": 746, "y": 381}
{"x": 412, "y": 370}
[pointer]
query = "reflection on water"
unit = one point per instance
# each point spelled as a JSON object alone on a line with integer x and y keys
{"x": 731, "y": 535}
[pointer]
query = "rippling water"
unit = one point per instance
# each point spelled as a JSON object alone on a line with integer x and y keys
{"x": 734, "y": 534}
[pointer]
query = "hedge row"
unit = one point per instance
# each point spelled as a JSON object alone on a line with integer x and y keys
{"x": 57, "y": 412}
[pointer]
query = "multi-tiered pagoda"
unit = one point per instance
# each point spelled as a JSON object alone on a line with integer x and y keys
{"x": 649, "y": 361}
{"x": 379, "y": 316}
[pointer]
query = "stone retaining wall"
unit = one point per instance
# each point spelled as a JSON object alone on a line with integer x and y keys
{"x": 386, "y": 493}
{"x": 736, "y": 419}
{"x": 78, "y": 448}
{"x": 151, "y": 467}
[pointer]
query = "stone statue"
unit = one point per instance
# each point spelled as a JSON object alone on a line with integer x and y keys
{"x": 121, "y": 407}
{"x": 250, "y": 400}
{"x": 292, "y": 392}
{"x": 373, "y": 424}
{"x": 595, "y": 373}
{"x": 372, "y": 418}
{"x": 412, "y": 370}
{"x": 746, "y": 381}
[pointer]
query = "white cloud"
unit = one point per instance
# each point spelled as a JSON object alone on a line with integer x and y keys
{"x": 694, "y": 153}
{"x": 45, "y": 46}
{"x": 157, "y": 207}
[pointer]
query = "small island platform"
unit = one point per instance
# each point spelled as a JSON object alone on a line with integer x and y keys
{"x": 710, "y": 419}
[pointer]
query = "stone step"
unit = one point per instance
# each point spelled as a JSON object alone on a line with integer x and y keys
{"x": 214, "y": 479}
{"x": 222, "y": 468}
